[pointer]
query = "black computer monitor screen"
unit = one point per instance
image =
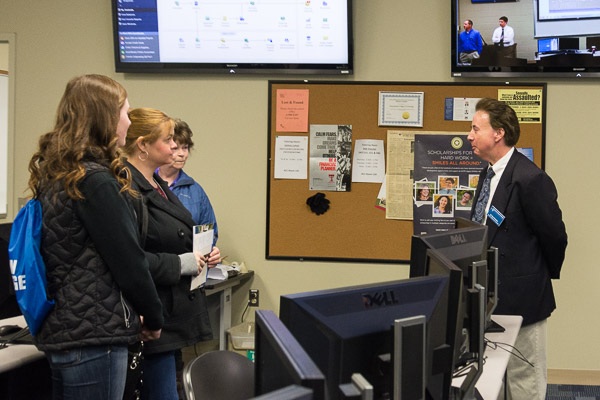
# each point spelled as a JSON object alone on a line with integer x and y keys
{"x": 592, "y": 41}
{"x": 349, "y": 330}
{"x": 280, "y": 360}
{"x": 567, "y": 43}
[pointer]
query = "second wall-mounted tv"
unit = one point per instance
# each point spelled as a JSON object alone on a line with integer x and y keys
{"x": 551, "y": 39}
{"x": 248, "y": 36}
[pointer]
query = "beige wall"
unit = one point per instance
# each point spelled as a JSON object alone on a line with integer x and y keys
{"x": 394, "y": 40}
{"x": 3, "y": 56}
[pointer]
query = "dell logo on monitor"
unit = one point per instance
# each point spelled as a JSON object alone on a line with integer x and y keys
{"x": 379, "y": 299}
{"x": 458, "y": 239}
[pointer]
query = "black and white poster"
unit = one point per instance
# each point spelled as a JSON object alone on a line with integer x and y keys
{"x": 445, "y": 178}
{"x": 330, "y": 157}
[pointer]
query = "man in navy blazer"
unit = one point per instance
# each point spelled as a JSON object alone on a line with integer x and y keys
{"x": 525, "y": 224}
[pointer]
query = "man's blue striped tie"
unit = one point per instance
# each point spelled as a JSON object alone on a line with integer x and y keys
{"x": 483, "y": 197}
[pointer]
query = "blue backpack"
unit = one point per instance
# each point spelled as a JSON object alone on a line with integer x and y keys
{"x": 27, "y": 266}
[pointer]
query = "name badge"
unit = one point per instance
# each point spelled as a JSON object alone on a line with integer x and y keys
{"x": 496, "y": 216}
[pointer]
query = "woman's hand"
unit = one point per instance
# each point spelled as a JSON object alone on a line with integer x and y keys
{"x": 214, "y": 257}
{"x": 147, "y": 334}
{"x": 201, "y": 261}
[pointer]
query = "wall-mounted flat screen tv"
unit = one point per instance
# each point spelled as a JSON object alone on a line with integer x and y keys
{"x": 492, "y": 1}
{"x": 239, "y": 36}
{"x": 527, "y": 38}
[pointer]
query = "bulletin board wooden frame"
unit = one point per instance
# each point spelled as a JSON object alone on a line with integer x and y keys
{"x": 353, "y": 229}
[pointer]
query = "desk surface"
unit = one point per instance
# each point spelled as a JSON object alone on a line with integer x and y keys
{"x": 16, "y": 355}
{"x": 496, "y": 359}
{"x": 215, "y": 285}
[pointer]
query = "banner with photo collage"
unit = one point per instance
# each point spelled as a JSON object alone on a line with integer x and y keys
{"x": 445, "y": 178}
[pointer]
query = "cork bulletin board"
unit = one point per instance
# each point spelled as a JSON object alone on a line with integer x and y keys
{"x": 353, "y": 229}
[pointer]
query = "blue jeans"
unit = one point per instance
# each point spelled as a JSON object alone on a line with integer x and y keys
{"x": 159, "y": 377}
{"x": 90, "y": 373}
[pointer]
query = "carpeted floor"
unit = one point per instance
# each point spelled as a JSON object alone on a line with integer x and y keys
{"x": 572, "y": 392}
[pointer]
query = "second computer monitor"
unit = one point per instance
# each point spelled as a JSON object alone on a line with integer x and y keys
{"x": 281, "y": 361}
{"x": 349, "y": 330}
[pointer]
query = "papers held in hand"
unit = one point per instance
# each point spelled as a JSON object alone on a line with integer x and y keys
{"x": 203, "y": 243}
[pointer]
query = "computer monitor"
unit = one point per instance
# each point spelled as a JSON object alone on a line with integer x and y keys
{"x": 466, "y": 315}
{"x": 568, "y": 43}
{"x": 462, "y": 246}
{"x": 476, "y": 328}
{"x": 592, "y": 41}
{"x": 409, "y": 358}
{"x": 547, "y": 45}
{"x": 349, "y": 330}
{"x": 8, "y": 300}
{"x": 280, "y": 360}
{"x": 489, "y": 279}
{"x": 439, "y": 265}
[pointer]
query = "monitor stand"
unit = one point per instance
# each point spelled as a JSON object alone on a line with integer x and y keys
{"x": 476, "y": 304}
{"x": 459, "y": 393}
{"x": 358, "y": 389}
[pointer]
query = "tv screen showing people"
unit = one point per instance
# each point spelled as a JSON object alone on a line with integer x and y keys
{"x": 519, "y": 38}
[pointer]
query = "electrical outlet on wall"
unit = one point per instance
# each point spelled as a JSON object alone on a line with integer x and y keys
{"x": 253, "y": 298}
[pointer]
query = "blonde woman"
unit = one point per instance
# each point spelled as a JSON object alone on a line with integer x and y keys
{"x": 168, "y": 242}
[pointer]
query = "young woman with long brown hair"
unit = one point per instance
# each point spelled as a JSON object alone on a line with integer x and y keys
{"x": 96, "y": 271}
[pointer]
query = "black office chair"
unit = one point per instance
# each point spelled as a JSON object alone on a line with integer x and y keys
{"x": 219, "y": 375}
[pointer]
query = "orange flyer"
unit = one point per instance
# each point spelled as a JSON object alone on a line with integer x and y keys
{"x": 292, "y": 110}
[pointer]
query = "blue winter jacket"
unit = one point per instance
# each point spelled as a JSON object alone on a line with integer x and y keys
{"x": 194, "y": 198}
